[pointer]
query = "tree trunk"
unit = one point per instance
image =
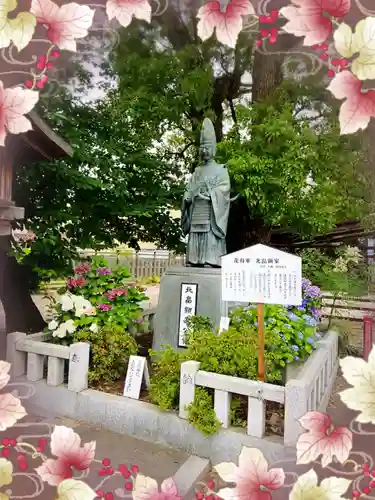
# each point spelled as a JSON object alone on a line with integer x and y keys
{"x": 243, "y": 229}
{"x": 267, "y": 73}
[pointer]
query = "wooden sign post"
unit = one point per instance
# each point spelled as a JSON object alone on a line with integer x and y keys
{"x": 260, "y": 308}
{"x": 261, "y": 275}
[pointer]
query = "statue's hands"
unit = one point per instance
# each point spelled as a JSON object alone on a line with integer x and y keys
{"x": 203, "y": 195}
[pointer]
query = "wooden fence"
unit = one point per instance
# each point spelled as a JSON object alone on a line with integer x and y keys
{"x": 350, "y": 308}
{"x": 143, "y": 264}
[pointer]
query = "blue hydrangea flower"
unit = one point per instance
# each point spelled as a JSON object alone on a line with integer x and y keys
{"x": 288, "y": 325}
{"x": 305, "y": 283}
{"x": 313, "y": 292}
{"x": 283, "y": 337}
{"x": 305, "y": 302}
{"x": 295, "y": 347}
{"x": 318, "y": 336}
{"x": 310, "y": 341}
{"x": 311, "y": 322}
{"x": 271, "y": 320}
{"x": 296, "y": 358}
{"x": 300, "y": 335}
{"x": 293, "y": 316}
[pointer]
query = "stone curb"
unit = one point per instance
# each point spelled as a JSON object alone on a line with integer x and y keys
{"x": 195, "y": 469}
{"x": 144, "y": 421}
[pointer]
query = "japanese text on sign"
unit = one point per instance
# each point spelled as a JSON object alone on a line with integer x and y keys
{"x": 188, "y": 307}
{"x": 137, "y": 369}
{"x": 262, "y": 274}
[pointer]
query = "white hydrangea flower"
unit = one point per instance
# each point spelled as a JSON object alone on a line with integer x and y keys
{"x": 82, "y": 306}
{"x": 94, "y": 327}
{"x": 70, "y": 326}
{"x": 60, "y": 332}
{"x": 65, "y": 328}
{"x": 66, "y": 302}
{"x": 52, "y": 325}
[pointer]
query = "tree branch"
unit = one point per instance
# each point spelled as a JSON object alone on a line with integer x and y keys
{"x": 232, "y": 110}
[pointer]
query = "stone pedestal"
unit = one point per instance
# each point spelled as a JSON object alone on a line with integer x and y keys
{"x": 208, "y": 303}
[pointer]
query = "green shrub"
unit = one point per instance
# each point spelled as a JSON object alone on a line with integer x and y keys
{"x": 202, "y": 414}
{"x": 313, "y": 261}
{"x": 165, "y": 378}
{"x": 111, "y": 347}
{"x": 344, "y": 271}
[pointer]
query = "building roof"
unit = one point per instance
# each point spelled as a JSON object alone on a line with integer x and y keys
{"x": 39, "y": 144}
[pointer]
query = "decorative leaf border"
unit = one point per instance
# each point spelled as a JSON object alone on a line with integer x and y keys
{"x": 319, "y": 22}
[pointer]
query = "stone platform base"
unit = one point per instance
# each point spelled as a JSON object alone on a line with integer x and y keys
{"x": 208, "y": 303}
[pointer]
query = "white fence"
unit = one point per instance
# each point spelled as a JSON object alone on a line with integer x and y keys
{"x": 310, "y": 390}
{"x": 27, "y": 353}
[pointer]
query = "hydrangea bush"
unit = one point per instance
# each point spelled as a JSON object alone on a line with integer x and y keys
{"x": 97, "y": 296}
{"x": 295, "y": 326}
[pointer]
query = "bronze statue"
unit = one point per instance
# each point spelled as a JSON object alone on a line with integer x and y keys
{"x": 205, "y": 207}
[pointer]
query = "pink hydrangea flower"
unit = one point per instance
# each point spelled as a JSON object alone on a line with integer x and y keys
{"x": 116, "y": 292}
{"x": 82, "y": 268}
{"x": 103, "y": 271}
{"x": 76, "y": 282}
{"x": 105, "y": 307}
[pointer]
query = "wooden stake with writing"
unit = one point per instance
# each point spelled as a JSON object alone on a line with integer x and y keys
{"x": 260, "y": 309}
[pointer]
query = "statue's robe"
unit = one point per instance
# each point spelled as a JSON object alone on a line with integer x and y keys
{"x": 206, "y": 221}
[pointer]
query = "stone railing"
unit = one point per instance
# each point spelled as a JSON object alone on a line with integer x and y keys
{"x": 318, "y": 374}
{"x": 27, "y": 354}
{"x": 310, "y": 390}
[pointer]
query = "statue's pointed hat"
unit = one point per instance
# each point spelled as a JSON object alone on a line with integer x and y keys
{"x": 208, "y": 135}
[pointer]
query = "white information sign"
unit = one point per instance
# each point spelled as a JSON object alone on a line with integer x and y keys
{"x": 188, "y": 307}
{"x": 137, "y": 371}
{"x": 261, "y": 274}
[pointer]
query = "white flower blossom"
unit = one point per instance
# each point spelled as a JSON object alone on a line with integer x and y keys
{"x": 52, "y": 325}
{"x": 65, "y": 328}
{"x": 340, "y": 265}
{"x": 82, "y": 306}
{"x": 352, "y": 255}
{"x": 94, "y": 327}
{"x": 66, "y": 302}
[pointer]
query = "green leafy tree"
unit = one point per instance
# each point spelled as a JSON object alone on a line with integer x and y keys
{"x": 115, "y": 188}
{"x": 133, "y": 148}
{"x": 290, "y": 174}
{"x": 175, "y": 80}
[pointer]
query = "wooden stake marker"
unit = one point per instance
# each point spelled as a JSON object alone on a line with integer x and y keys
{"x": 260, "y": 308}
